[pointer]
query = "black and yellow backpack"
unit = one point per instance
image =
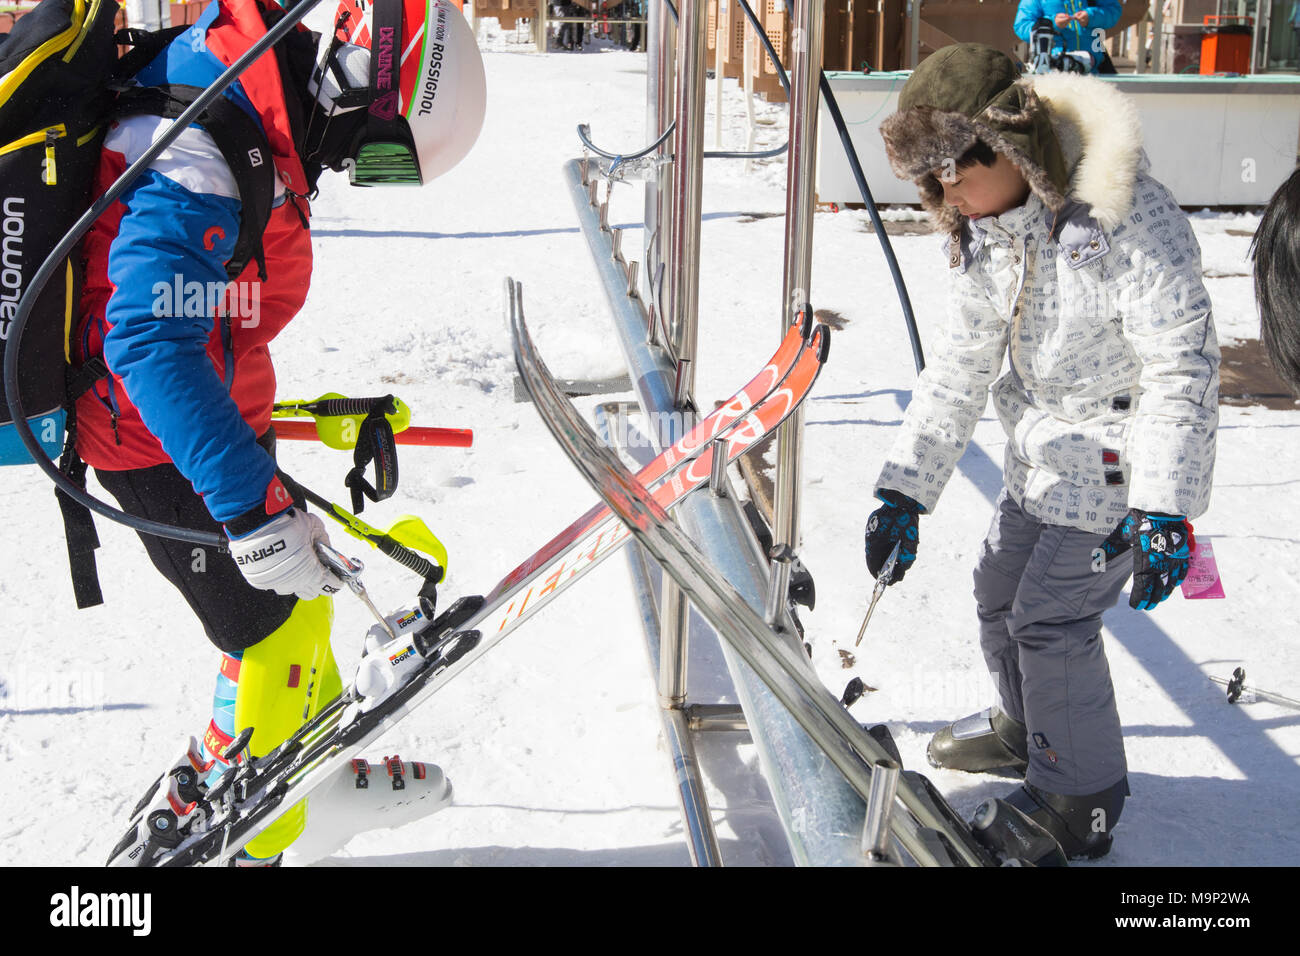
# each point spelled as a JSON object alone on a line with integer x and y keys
{"x": 55, "y": 72}
{"x": 61, "y": 84}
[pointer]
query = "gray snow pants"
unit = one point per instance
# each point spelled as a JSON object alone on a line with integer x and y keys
{"x": 1040, "y": 595}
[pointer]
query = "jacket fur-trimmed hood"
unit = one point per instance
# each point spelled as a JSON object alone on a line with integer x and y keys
{"x": 1101, "y": 139}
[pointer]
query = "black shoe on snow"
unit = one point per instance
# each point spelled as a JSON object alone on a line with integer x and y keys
{"x": 1082, "y": 825}
{"x": 989, "y": 740}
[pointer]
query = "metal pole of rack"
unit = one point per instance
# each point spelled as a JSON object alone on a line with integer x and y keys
{"x": 683, "y": 268}
{"x": 688, "y": 172}
{"x": 661, "y": 37}
{"x": 800, "y": 198}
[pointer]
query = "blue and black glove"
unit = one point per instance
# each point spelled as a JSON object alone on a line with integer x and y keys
{"x": 894, "y": 524}
{"x": 1163, "y": 554}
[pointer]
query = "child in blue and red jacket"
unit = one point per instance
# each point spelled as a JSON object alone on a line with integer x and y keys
{"x": 180, "y": 430}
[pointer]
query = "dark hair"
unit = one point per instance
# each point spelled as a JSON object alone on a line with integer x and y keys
{"x": 981, "y": 153}
{"x": 1276, "y": 251}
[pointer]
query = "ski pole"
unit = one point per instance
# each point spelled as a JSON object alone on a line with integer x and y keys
{"x": 1238, "y": 691}
{"x": 882, "y": 582}
{"x": 338, "y": 422}
{"x": 401, "y": 541}
{"x": 427, "y": 436}
{"x": 414, "y": 530}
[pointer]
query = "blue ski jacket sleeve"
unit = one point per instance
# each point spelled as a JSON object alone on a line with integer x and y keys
{"x": 169, "y": 253}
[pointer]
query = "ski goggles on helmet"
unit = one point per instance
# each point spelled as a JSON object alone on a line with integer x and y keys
{"x": 384, "y": 163}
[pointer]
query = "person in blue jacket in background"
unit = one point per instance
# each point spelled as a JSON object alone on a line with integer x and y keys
{"x": 1079, "y": 26}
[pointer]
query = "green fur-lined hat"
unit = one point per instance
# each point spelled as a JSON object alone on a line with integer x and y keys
{"x": 963, "y": 93}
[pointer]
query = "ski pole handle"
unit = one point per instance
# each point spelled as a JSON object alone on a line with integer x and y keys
{"x": 342, "y": 406}
{"x": 404, "y": 556}
{"x": 291, "y": 430}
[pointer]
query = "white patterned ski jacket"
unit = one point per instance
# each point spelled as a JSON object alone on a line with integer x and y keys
{"x": 1110, "y": 397}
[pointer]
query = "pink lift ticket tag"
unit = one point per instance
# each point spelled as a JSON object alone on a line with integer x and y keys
{"x": 1202, "y": 579}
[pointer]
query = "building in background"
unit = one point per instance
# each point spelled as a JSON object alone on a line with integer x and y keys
{"x": 1166, "y": 33}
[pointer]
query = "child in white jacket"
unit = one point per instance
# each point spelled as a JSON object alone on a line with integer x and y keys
{"x": 1078, "y": 268}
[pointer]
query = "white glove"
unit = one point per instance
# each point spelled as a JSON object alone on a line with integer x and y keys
{"x": 280, "y": 556}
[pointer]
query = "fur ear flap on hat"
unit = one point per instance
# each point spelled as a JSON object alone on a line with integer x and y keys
{"x": 923, "y": 139}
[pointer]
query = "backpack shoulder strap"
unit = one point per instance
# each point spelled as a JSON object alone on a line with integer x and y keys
{"x": 145, "y": 46}
{"x": 244, "y": 147}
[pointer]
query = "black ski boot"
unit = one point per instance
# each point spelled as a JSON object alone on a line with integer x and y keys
{"x": 1013, "y": 837}
{"x": 1082, "y": 825}
{"x": 989, "y": 740}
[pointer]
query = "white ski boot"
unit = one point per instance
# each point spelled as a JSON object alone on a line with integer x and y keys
{"x": 365, "y": 796}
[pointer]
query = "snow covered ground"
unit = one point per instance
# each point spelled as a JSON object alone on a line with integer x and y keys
{"x": 552, "y": 739}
